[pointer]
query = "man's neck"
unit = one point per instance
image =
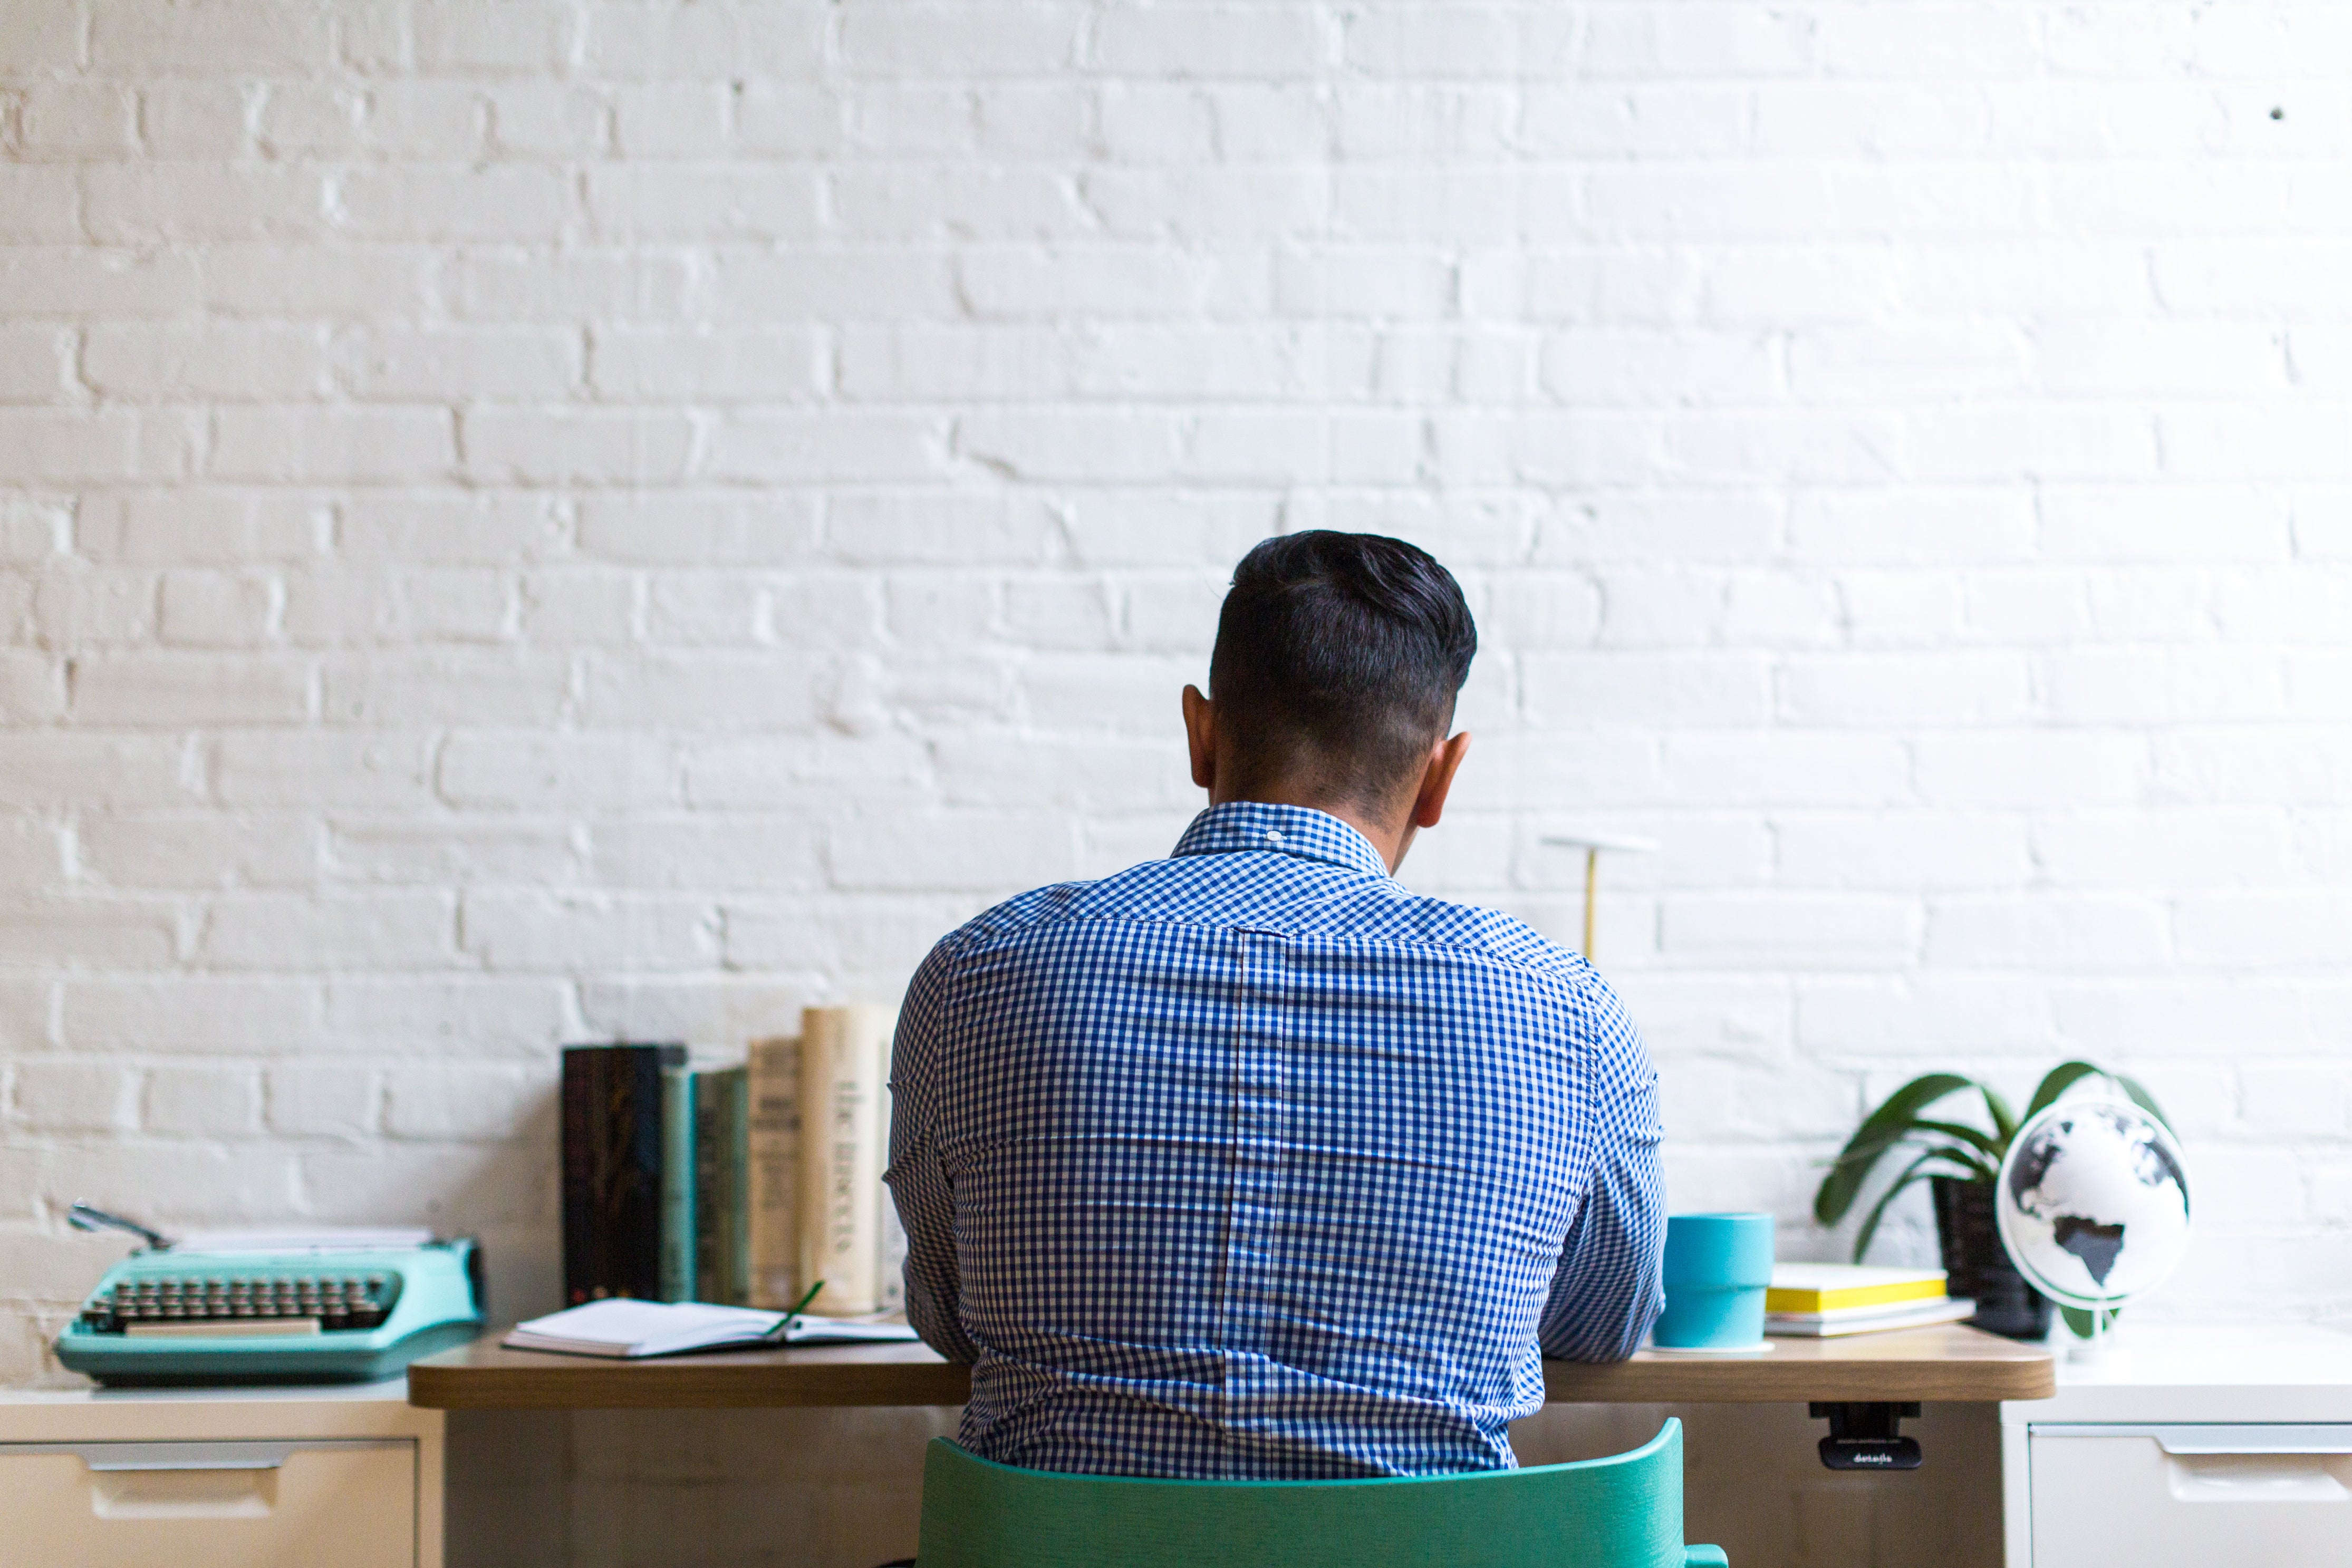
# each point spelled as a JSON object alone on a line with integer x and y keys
{"x": 1389, "y": 840}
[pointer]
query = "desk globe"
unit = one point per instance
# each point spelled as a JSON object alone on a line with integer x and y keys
{"x": 2093, "y": 1204}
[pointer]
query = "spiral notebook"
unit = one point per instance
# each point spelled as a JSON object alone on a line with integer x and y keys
{"x": 630, "y": 1330}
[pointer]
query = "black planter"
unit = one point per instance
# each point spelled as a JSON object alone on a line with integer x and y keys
{"x": 1978, "y": 1266}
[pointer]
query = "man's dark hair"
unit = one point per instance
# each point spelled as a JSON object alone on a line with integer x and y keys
{"x": 1338, "y": 660}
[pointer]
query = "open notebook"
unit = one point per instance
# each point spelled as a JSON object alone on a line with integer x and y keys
{"x": 631, "y": 1329}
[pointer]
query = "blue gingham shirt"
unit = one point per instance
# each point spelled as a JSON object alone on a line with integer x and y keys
{"x": 1249, "y": 1163}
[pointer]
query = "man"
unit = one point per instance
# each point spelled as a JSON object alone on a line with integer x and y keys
{"x": 1249, "y": 1163}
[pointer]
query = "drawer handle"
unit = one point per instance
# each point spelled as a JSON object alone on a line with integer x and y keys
{"x": 182, "y": 1455}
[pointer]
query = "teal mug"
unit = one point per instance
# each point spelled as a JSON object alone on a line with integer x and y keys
{"x": 1716, "y": 1269}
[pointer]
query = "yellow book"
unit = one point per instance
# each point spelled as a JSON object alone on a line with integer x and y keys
{"x": 1834, "y": 1287}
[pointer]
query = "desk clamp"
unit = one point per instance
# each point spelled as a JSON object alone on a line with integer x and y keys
{"x": 1867, "y": 1436}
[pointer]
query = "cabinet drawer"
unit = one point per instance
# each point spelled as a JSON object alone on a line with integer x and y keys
{"x": 209, "y": 1505}
{"x": 2174, "y": 1496}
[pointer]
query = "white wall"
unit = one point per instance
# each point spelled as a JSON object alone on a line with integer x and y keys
{"x": 538, "y": 520}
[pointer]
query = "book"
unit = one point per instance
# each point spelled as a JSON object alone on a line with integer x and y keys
{"x": 630, "y": 1330}
{"x": 721, "y": 1254}
{"x": 1828, "y": 1287}
{"x": 612, "y": 1169}
{"x": 772, "y": 1194}
{"x": 1868, "y": 1320}
{"x": 842, "y": 1195}
{"x": 678, "y": 1223}
{"x": 891, "y": 1285}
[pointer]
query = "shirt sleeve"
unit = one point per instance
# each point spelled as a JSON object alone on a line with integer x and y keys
{"x": 1606, "y": 1293}
{"x": 918, "y": 1180}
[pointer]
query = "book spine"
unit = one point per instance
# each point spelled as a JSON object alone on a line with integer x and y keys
{"x": 773, "y": 1204}
{"x": 890, "y": 1287}
{"x": 720, "y": 1267}
{"x": 735, "y": 1171}
{"x": 611, "y": 1161}
{"x": 583, "y": 1088}
{"x": 677, "y": 1218}
{"x": 841, "y": 1155}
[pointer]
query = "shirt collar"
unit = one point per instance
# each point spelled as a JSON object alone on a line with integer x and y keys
{"x": 1301, "y": 831}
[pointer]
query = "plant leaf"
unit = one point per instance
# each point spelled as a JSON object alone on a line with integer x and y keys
{"x": 2143, "y": 1099}
{"x": 1880, "y": 1131}
{"x": 2004, "y": 1120}
{"x": 2057, "y": 1081}
{"x": 1966, "y": 1134}
{"x": 1912, "y": 1175}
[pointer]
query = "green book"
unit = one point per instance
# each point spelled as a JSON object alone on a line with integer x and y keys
{"x": 723, "y": 1255}
{"x": 677, "y": 1224}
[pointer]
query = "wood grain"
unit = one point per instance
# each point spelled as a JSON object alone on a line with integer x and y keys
{"x": 1948, "y": 1363}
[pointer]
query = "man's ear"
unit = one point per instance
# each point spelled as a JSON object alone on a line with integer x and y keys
{"x": 1437, "y": 778}
{"x": 1201, "y": 736}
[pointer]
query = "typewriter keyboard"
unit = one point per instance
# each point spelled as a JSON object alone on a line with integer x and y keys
{"x": 330, "y": 1301}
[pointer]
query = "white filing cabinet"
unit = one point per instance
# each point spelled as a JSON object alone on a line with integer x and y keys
{"x": 2188, "y": 1444}
{"x": 213, "y": 1478}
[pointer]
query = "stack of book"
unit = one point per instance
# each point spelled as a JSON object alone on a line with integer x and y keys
{"x": 687, "y": 1181}
{"x": 1820, "y": 1300}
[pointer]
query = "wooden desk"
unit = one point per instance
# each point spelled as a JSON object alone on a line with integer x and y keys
{"x": 1948, "y": 1362}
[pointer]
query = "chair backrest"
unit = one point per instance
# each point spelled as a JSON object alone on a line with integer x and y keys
{"x": 1624, "y": 1511}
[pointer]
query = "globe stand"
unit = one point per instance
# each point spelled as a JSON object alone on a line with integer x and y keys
{"x": 2101, "y": 1344}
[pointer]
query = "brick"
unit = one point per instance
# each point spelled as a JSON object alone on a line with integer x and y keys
{"x": 383, "y": 930}
{"x": 192, "y": 1014}
{"x": 657, "y": 365}
{"x": 179, "y": 851}
{"x": 993, "y": 851}
{"x": 730, "y": 854}
{"x": 703, "y": 690}
{"x": 590, "y": 447}
{"x": 77, "y": 1096}
{"x": 1895, "y": 689}
{"x": 311, "y": 1102}
{"x": 1608, "y": 690}
{"x": 444, "y": 1016}
{"x": 616, "y": 286}
{"x": 772, "y": 531}
{"x": 76, "y": 119}
{"x": 2075, "y": 932}
{"x": 526, "y": 37}
{"x": 377, "y": 689}
{"x": 696, "y": 201}
{"x": 102, "y": 934}
{"x": 180, "y": 690}
{"x": 917, "y": 40}
{"x": 542, "y": 932}
{"x": 310, "y": 768}
{"x": 240, "y": 363}
{"x": 549, "y": 120}
{"x": 218, "y": 608}
{"x": 205, "y": 1101}
{"x": 199, "y": 120}
{"x": 767, "y": 41}
{"x": 462, "y": 1104}
{"x": 143, "y": 203}
{"x": 424, "y": 202}
{"x": 1208, "y": 41}
{"x": 312, "y": 445}
{"x": 476, "y": 362}
{"x": 101, "y": 446}
{"x": 436, "y": 853}
{"x": 543, "y": 771}
{"x": 58, "y": 280}
{"x": 195, "y": 37}
{"x": 804, "y": 449}
{"x": 273, "y": 281}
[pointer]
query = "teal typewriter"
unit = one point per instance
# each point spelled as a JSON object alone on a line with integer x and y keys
{"x": 324, "y": 1306}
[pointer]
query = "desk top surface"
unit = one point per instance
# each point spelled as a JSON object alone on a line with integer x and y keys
{"x": 1948, "y": 1363}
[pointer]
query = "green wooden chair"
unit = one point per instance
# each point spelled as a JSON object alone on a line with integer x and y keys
{"x": 1624, "y": 1511}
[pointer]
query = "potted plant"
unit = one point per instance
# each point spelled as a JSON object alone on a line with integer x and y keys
{"x": 1959, "y": 1162}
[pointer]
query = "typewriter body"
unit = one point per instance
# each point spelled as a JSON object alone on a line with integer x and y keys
{"x": 311, "y": 1307}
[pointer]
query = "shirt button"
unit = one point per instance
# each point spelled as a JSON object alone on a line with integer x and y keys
{"x": 1272, "y": 836}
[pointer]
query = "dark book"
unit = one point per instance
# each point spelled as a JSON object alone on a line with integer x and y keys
{"x": 612, "y": 1169}
{"x": 722, "y": 1253}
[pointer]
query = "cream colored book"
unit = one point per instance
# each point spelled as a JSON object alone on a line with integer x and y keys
{"x": 775, "y": 1183}
{"x": 890, "y": 1289}
{"x": 841, "y": 1155}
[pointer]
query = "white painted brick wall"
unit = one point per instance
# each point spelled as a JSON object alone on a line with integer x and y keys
{"x": 531, "y": 521}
